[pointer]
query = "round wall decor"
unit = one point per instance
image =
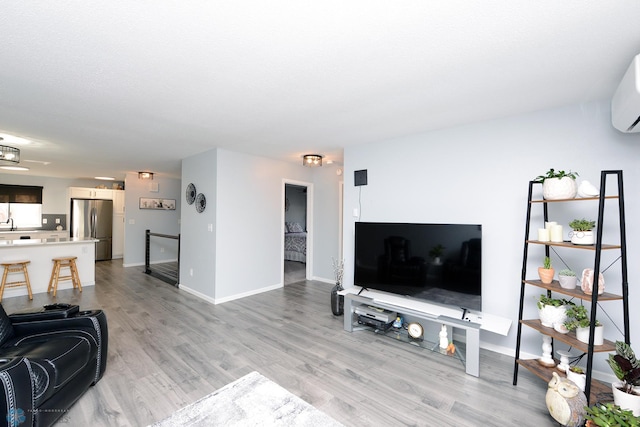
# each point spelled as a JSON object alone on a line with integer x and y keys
{"x": 201, "y": 203}
{"x": 191, "y": 194}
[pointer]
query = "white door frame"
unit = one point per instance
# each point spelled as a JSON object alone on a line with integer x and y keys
{"x": 309, "y": 260}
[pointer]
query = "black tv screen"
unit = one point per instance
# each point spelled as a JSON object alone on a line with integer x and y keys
{"x": 439, "y": 263}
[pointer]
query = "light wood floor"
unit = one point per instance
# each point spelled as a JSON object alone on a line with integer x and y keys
{"x": 168, "y": 348}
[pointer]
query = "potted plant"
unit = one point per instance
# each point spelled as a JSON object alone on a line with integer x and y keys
{"x": 577, "y": 375}
{"x": 582, "y": 233}
{"x": 546, "y": 272}
{"x": 626, "y": 368}
{"x": 578, "y": 320}
{"x": 551, "y": 310}
{"x": 610, "y": 415}
{"x": 436, "y": 252}
{"x": 337, "y": 300}
{"x": 567, "y": 278}
{"x": 558, "y": 185}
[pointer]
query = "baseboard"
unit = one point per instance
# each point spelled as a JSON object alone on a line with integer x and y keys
{"x": 229, "y": 298}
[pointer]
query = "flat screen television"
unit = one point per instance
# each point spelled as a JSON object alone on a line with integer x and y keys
{"x": 439, "y": 263}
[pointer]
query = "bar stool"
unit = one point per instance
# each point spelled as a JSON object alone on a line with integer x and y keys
{"x": 15, "y": 267}
{"x": 64, "y": 262}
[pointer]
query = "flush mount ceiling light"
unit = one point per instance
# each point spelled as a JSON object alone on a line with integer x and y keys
{"x": 145, "y": 175}
{"x": 10, "y": 157}
{"x": 312, "y": 160}
{"x": 104, "y": 178}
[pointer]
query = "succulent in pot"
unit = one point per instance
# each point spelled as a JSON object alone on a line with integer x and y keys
{"x": 582, "y": 233}
{"x": 609, "y": 415}
{"x": 546, "y": 272}
{"x": 558, "y": 185}
{"x": 567, "y": 278}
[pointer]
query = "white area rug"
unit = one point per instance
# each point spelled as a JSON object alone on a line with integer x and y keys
{"x": 252, "y": 400}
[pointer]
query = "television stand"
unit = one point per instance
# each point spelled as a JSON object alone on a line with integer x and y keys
{"x": 471, "y": 358}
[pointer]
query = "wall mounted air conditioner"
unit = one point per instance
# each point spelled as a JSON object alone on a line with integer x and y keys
{"x": 625, "y": 104}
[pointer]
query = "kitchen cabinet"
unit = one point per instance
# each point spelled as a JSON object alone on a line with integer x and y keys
{"x": 90, "y": 193}
{"x": 118, "y": 202}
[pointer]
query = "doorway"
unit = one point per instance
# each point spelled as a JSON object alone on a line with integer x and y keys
{"x": 297, "y": 231}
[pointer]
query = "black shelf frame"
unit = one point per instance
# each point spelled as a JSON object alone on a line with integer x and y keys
{"x": 597, "y": 248}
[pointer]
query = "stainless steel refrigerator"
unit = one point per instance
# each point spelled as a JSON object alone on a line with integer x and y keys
{"x": 93, "y": 218}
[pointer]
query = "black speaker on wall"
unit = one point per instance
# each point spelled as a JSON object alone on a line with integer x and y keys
{"x": 360, "y": 177}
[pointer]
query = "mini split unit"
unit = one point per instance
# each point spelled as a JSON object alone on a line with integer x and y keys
{"x": 625, "y": 104}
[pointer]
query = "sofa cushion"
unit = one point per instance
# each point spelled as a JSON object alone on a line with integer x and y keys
{"x": 6, "y": 328}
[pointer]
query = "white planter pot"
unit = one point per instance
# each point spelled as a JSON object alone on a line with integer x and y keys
{"x": 559, "y": 188}
{"x": 579, "y": 379}
{"x": 551, "y": 315}
{"x": 626, "y": 400}
{"x": 582, "y": 237}
{"x": 582, "y": 334}
{"x": 568, "y": 282}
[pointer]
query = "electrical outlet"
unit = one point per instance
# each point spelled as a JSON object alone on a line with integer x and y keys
{"x": 57, "y": 220}
{"x": 191, "y": 272}
{"x": 44, "y": 220}
{"x": 161, "y": 249}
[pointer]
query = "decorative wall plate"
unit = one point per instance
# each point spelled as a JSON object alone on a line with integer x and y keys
{"x": 201, "y": 203}
{"x": 191, "y": 194}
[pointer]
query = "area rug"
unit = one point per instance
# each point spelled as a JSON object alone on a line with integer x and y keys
{"x": 252, "y": 400}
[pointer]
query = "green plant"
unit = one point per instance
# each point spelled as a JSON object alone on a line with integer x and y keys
{"x": 577, "y": 369}
{"x": 577, "y": 317}
{"x": 625, "y": 366}
{"x": 552, "y": 173}
{"x": 543, "y": 300}
{"x": 436, "y": 251}
{"x": 610, "y": 415}
{"x": 546, "y": 263}
{"x": 567, "y": 272}
{"x": 582, "y": 224}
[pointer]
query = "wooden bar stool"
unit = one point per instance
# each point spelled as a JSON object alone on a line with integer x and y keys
{"x": 15, "y": 267}
{"x": 64, "y": 262}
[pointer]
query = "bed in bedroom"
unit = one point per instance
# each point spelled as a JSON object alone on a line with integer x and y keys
{"x": 295, "y": 242}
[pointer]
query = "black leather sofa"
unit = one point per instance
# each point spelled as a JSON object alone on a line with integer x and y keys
{"x": 47, "y": 362}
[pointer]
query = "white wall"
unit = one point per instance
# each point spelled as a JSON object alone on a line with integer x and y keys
{"x": 198, "y": 249}
{"x": 158, "y": 221}
{"x": 243, "y": 253}
{"x": 479, "y": 173}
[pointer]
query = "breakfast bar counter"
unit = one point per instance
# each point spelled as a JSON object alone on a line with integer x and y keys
{"x": 41, "y": 252}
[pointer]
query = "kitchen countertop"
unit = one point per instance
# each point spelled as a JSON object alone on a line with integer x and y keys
{"x": 31, "y": 231}
{"x": 49, "y": 241}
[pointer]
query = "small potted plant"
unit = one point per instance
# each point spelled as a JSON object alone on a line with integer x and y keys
{"x": 610, "y": 415}
{"x": 578, "y": 320}
{"x": 436, "y": 252}
{"x": 546, "y": 272}
{"x": 567, "y": 278}
{"x": 577, "y": 375}
{"x": 552, "y": 311}
{"x": 558, "y": 185}
{"x": 582, "y": 233}
{"x": 626, "y": 368}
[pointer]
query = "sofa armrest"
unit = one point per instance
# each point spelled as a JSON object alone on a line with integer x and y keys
{"x": 51, "y": 311}
{"x": 16, "y": 391}
{"x": 94, "y": 321}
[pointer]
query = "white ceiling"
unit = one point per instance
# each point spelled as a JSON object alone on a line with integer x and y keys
{"x": 107, "y": 87}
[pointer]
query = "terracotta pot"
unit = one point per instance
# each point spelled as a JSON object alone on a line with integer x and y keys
{"x": 546, "y": 275}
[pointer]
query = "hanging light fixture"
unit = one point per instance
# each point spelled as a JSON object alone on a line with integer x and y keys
{"x": 145, "y": 175}
{"x": 312, "y": 160}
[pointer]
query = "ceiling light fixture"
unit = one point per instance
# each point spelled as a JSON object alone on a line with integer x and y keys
{"x": 145, "y": 175}
{"x": 104, "y": 178}
{"x": 312, "y": 160}
{"x": 10, "y": 157}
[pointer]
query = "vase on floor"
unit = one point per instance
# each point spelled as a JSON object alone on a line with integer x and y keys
{"x": 337, "y": 300}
